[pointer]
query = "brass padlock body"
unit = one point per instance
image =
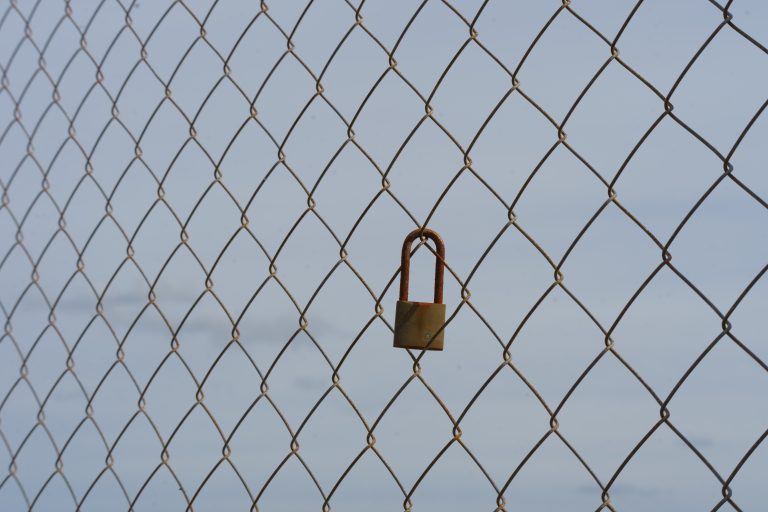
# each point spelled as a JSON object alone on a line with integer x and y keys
{"x": 417, "y": 323}
{"x": 420, "y": 325}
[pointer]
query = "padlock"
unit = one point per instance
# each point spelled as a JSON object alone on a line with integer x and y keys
{"x": 420, "y": 325}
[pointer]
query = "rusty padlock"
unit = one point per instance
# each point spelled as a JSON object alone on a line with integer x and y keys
{"x": 420, "y": 325}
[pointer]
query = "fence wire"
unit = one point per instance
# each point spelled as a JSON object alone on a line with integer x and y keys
{"x": 31, "y": 49}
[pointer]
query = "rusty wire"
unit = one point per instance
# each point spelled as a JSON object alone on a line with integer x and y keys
{"x": 356, "y": 23}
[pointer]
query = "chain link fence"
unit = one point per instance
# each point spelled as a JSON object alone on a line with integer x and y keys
{"x": 202, "y": 209}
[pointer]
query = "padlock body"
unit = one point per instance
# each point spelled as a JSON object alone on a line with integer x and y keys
{"x": 417, "y": 323}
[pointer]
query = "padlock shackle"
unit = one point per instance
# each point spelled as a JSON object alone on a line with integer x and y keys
{"x": 405, "y": 262}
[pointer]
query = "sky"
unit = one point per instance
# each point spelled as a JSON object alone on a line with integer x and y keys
{"x": 200, "y": 235}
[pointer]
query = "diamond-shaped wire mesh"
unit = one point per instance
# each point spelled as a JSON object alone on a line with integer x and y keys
{"x": 202, "y": 210}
